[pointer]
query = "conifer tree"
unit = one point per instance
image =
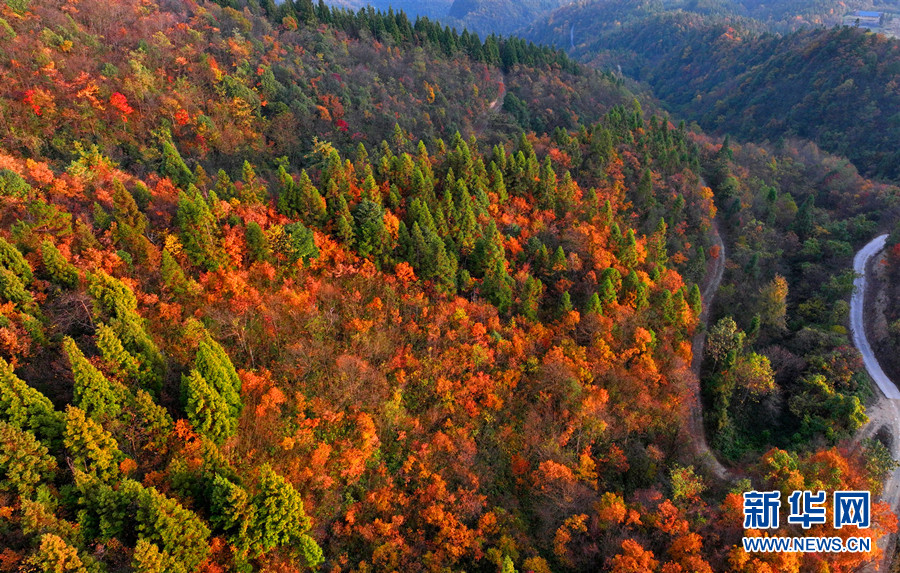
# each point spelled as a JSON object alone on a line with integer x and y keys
{"x": 54, "y": 555}
{"x": 566, "y": 194}
{"x": 497, "y": 287}
{"x": 467, "y": 223}
{"x": 216, "y": 367}
{"x": 532, "y": 291}
{"x": 565, "y": 304}
{"x": 615, "y": 235}
{"x": 280, "y": 518}
{"x": 546, "y": 187}
{"x": 300, "y": 243}
{"x": 178, "y": 532}
{"x": 60, "y": 270}
{"x": 91, "y": 448}
{"x": 11, "y": 259}
{"x": 370, "y": 231}
{"x": 657, "y": 243}
{"x": 152, "y": 420}
{"x": 489, "y": 250}
{"x": 498, "y": 184}
{"x": 115, "y": 301}
{"x": 224, "y": 187}
{"x": 129, "y": 510}
{"x": 678, "y": 305}
{"x": 149, "y": 559}
{"x": 93, "y": 393}
{"x": 370, "y": 190}
{"x": 257, "y": 244}
{"x": 233, "y": 513}
{"x": 559, "y": 263}
{"x": 173, "y": 165}
{"x": 126, "y": 212}
{"x": 27, "y": 409}
{"x": 421, "y": 186}
{"x": 594, "y": 306}
{"x": 253, "y": 191}
{"x": 644, "y": 193}
{"x": 199, "y": 230}
{"x": 206, "y": 409}
{"x": 12, "y": 289}
{"x": 628, "y": 255}
{"x": 445, "y": 265}
{"x": 695, "y": 300}
{"x": 419, "y": 213}
{"x": 667, "y": 308}
{"x": 24, "y": 461}
{"x": 118, "y": 360}
{"x": 607, "y": 292}
{"x": 172, "y": 274}
{"x": 416, "y": 249}
{"x": 542, "y": 258}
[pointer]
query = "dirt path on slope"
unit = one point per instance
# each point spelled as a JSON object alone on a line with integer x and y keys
{"x": 713, "y": 280}
{"x": 499, "y": 100}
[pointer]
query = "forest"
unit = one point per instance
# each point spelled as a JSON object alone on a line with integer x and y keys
{"x": 737, "y": 74}
{"x": 289, "y": 287}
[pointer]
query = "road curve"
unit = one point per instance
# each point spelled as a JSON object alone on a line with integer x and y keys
{"x": 885, "y": 413}
{"x": 857, "y": 323}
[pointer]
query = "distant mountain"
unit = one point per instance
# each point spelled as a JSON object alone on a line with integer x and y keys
{"x": 412, "y": 8}
{"x": 482, "y": 16}
{"x": 500, "y": 16}
{"x": 730, "y": 73}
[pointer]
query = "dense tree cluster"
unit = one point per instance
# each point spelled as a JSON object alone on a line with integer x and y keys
{"x": 258, "y": 313}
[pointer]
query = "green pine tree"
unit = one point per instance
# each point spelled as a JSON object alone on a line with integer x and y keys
{"x": 173, "y": 275}
{"x": 371, "y": 235}
{"x": 176, "y": 531}
{"x": 232, "y": 513}
{"x": 24, "y": 461}
{"x": 27, "y": 409}
{"x": 280, "y": 518}
{"x": 59, "y": 270}
{"x": 93, "y": 393}
{"x": 12, "y": 289}
{"x": 91, "y": 448}
{"x": 149, "y": 559}
{"x": 216, "y": 367}
{"x": 11, "y": 259}
{"x": 54, "y": 555}
{"x": 565, "y": 304}
{"x": 206, "y": 409}
{"x": 695, "y": 300}
{"x": 199, "y": 230}
{"x": 257, "y": 244}
{"x": 594, "y": 306}
{"x": 173, "y": 165}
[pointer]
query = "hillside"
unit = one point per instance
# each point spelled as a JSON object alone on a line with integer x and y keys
{"x": 831, "y": 86}
{"x": 287, "y": 288}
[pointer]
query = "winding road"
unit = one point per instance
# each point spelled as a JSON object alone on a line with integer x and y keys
{"x": 857, "y": 324}
{"x": 885, "y": 413}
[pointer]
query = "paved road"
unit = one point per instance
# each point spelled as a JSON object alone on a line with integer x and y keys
{"x": 885, "y": 413}
{"x": 857, "y": 324}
